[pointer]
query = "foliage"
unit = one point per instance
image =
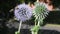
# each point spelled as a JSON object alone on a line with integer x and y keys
{"x": 17, "y": 32}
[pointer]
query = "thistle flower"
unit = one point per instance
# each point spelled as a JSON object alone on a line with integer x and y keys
{"x": 23, "y": 12}
{"x": 40, "y": 12}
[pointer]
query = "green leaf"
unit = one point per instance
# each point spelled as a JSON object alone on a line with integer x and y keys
{"x": 17, "y": 32}
{"x": 35, "y": 28}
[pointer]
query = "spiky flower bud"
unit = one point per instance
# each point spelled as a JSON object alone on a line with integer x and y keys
{"x": 40, "y": 12}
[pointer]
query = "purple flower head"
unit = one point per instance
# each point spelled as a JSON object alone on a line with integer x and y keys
{"x": 23, "y": 12}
